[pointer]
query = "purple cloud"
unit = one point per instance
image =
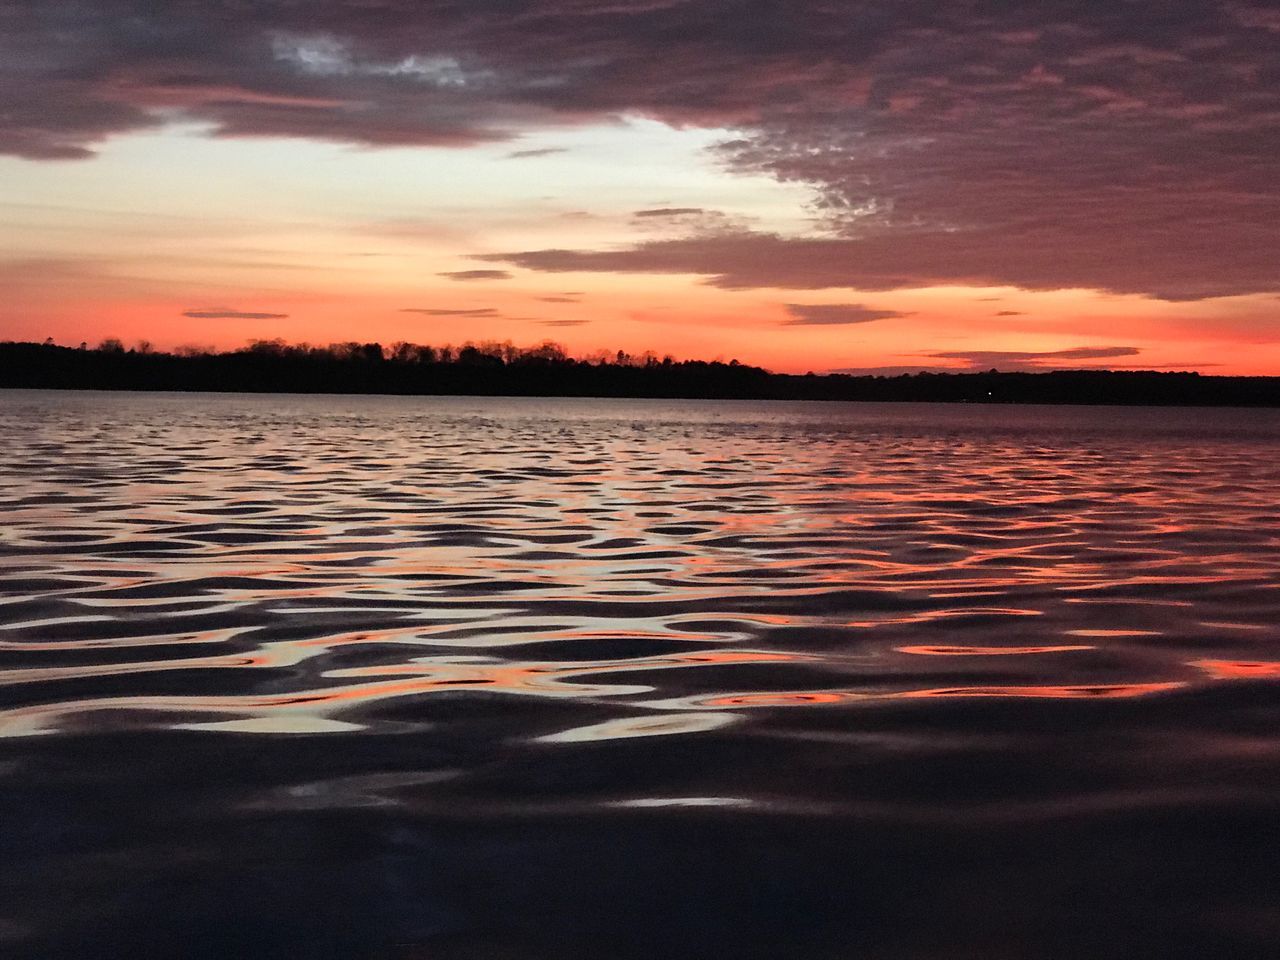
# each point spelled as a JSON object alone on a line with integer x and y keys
{"x": 1033, "y": 360}
{"x": 531, "y": 154}
{"x": 668, "y": 212}
{"x": 477, "y": 275}
{"x": 432, "y": 312}
{"x": 824, "y": 314}
{"x": 226, "y": 313}
{"x": 1127, "y": 147}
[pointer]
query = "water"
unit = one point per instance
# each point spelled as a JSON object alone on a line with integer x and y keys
{"x": 408, "y": 678}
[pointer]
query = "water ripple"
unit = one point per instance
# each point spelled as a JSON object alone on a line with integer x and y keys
{"x": 483, "y": 609}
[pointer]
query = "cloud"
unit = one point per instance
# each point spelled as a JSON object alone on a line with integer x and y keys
{"x": 563, "y": 323}
{"x": 669, "y": 212}
{"x": 1074, "y": 353}
{"x": 1010, "y": 361}
{"x": 477, "y": 275}
{"x": 888, "y": 261}
{"x": 738, "y": 261}
{"x": 564, "y": 299}
{"x": 1127, "y": 147}
{"x": 1010, "y": 313}
{"x": 530, "y": 154}
{"x": 823, "y": 314}
{"x": 1032, "y": 360}
{"x": 433, "y": 312}
{"x": 690, "y": 221}
{"x": 226, "y": 313}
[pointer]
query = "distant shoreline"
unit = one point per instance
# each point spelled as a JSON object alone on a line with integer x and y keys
{"x": 547, "y": 372}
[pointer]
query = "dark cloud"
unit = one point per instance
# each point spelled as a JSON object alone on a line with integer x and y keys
{"x": 1009, "y": 313}
{"x": 689, "y": 221}
{"x": 432, "y": 312}
{"x": 1201, "y": 268}
{"x": 563, "y": 323}
{"x": 803, "y": 314}
{"x": 742, "y": 260}
{"x": 564, "y": 299}
{"x": 226, "y": 313}
{"x": 669, "y": 212}
{"x": 1127, "y": 147}
{"x": 891, "y": 261}
{"x": 477, "y": 275}
{"x": 1075, "y": 353}
{"x": 1032, "y": 360}
{"x": 530, "y": 154}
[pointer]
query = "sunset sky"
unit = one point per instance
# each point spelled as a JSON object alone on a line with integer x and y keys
{"x": 802, "y": 184}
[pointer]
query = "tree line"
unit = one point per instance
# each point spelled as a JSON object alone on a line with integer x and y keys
{"x": 547, "y": 369}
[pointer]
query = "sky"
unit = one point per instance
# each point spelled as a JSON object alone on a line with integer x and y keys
{"x": 805, "y": 185}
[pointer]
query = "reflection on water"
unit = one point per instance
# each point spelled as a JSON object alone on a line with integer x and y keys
{"x": 448, "y": 678}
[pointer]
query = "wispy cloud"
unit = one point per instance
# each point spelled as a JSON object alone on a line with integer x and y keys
{"x": 1032, "y": 359}
{"x": 227, "y": 313}
{"x": 477, "y": 274}
{"x": 433, "y": 312}
{"x": 831, "y": 314}
{"x": 667, "y": 212}
{"x": 530, "y": 154}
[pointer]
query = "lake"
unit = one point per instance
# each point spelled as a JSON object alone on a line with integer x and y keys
{"x": 407, "y": 678}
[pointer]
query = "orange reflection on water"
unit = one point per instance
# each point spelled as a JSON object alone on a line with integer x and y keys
{"x": 594, "y": 634}
{"x": 956, "y": 651}
{"x": 777, "y": 699}
{"x": 1239, "y": 669}
{"x": 1099, "y": 691}
{"x": 1112, "y": 633}
{"x": 802, "y": 698}
{"x": 931, "y": 616}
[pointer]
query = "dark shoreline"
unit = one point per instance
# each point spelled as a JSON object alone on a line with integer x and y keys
{"x": 531, "y": 374}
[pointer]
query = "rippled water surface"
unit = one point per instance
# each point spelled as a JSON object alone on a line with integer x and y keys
{"x": 480, "y": 678}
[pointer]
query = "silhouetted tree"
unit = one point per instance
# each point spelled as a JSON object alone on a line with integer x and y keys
{"x": 491, "y": 367}
{"x": 268, "y": 348}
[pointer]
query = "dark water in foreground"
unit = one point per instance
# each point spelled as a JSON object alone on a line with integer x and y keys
{"x": 433, "y": 678}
